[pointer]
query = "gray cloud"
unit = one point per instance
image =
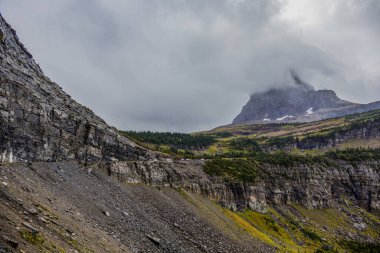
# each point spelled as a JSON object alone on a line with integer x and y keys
{"x": 182, "y": 65}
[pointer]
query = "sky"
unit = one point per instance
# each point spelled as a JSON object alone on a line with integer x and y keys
{"x": 190, "y": 65}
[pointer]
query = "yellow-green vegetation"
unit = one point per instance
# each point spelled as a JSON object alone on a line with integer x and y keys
{"x": 38, "y": 240}
{"x": 249, "y": 228}
{"x": 215, "y": 214}
{"x": 48, "y": 246}
{"x": 283, "y": 233}
{"x": 297, "y": 229}
{"x": 33, "y": 238}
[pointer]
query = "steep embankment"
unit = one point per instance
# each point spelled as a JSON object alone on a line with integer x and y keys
{"x": 314, "y": 184}
{"x": 61, "y": 207}
{"x": 40, "y": 122}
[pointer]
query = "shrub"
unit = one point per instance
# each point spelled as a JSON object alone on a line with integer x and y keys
{"x": 232, "y": 170}
{"x": 175, "y": 140}
{"x": 311, "y": 234}
{"x": 365, "y": 247}
{"x": 245, "y": 143}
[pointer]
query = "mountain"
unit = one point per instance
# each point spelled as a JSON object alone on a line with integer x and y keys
{"x": 40, "y": 122}
{"x": 69, "y": 182}
{"x": 297, "y": 103}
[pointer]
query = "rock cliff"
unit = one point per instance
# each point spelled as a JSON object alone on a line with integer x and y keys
{"x": 311, "y": 185}
{"x": 40, "y": 122}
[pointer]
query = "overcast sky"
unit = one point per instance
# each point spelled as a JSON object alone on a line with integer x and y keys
{"x": 189, "y": 65}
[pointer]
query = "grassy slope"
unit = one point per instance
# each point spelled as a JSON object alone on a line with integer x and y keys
{"x": 294, "y": 228}
{"x": 271, "y": 133}
{"x": 244, "y": 139}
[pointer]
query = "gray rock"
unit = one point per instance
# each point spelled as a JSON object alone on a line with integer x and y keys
{"x": 313, "y": 186}
{"x": 33, "y": 211}
{"x": 43, "y": 219}
{"x": 33, "y": 229}
{"x": 2, "y": 35}
{"x": 298, "y": 102}
{"x": 360, "y": 226}
{"x": 155, "y": 240}
{"x": 11, "y": 242}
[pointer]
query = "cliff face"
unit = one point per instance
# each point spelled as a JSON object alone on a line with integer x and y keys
{"x": 40, "y": 122}
{"x": 313, "y": 186}
{"x": 298, "y": 103}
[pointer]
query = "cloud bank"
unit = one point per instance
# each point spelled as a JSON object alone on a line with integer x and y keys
{"x": 180, "y": 65}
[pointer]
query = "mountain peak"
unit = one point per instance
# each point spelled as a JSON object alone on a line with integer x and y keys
{"x": 297, "y": 103}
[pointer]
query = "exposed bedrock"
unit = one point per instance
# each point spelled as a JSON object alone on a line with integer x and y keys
{"x": 40, "y": 122}
{"x": 313, "y": 186}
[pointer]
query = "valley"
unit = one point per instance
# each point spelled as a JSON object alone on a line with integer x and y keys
{"x": 69, "y": 182}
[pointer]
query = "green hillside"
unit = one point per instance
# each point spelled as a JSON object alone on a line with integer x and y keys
{"x": 315, "y": 138}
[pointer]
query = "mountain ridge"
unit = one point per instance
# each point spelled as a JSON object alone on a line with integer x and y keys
{"x": 40, "y": 122}
{"x": 297, "y": 103}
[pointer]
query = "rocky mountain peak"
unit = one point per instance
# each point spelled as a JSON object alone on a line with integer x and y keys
{"x": 299, "y": 102}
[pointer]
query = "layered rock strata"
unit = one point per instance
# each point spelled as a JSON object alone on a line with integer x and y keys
{"x": 40, "y": 122}
{"x": 313, "y": 186}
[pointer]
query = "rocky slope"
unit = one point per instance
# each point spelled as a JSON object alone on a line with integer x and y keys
{"x": 158, "y": 207}
{"x": 298, "y": 103}
{"x": 40, "y": 122}
{"x": 61, "y": 207}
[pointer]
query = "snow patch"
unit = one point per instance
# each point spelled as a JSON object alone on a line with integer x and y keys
{"x": 309, "y": 111}
{"x": 266, "y": 119}
{"x": 7, "y": 156}
{"x": 285, "y": 117}
{"x": 282, "y": 118}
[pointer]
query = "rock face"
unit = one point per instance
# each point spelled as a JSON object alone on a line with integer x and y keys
{"x": 299, "y": 103}
{"x": 313, "y": 186}
{"x": 40, "y": 122}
